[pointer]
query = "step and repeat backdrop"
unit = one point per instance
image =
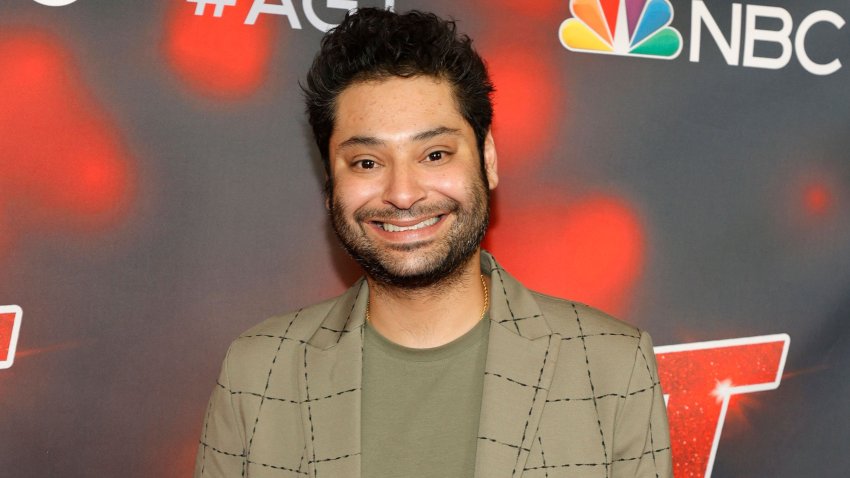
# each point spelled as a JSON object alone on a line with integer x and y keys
{"x": 682, "y": 164}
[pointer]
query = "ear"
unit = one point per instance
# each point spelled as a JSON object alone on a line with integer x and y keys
{"x": 491, "y": 160}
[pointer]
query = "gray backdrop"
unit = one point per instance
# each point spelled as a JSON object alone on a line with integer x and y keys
{"x": 160, "y": 193}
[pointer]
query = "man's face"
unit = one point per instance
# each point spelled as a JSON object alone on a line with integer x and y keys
{"x": 408, "y": 199}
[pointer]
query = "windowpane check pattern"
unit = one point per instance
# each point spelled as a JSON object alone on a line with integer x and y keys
{"x": 568, "y": 392}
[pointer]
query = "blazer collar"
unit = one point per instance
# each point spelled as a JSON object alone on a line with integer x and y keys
{"x": 346, "y": 316}
{"x": 511, "y": 305}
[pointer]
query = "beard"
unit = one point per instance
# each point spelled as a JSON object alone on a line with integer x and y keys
{"x": 438, "y": 261}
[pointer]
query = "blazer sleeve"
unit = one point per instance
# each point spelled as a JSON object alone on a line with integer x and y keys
{"x": 221, "y": 451}
{"x": 642, "y": 435}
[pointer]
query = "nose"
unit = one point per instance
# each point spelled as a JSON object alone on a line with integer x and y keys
{"x": 404, "y": 187}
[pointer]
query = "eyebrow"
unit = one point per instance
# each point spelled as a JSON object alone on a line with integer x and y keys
{"x": 422, "y": 136}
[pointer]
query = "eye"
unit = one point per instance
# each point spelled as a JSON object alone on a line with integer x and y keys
{"x": 365, "y": 164}
{"x": 436, "y": 155}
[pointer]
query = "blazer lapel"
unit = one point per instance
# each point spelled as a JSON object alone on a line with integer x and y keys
{"x": 521, "y": 358}
{"x": 520, "y": 365}
{"x": 330, "y": 372}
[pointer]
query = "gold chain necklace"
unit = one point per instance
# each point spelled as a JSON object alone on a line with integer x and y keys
{"x": 486, "y": 297}
{"x": 483, "y": 311}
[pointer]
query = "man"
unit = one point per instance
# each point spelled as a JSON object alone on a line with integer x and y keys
{"x": 438, "y": 363}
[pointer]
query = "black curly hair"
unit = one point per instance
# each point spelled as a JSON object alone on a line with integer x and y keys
{"x": 372, "y": 44}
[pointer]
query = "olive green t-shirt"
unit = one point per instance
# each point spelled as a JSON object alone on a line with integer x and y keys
{"x": 421, "y": 406}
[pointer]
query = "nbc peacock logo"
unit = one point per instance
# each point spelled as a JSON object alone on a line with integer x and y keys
{"x": 622, "y": 27}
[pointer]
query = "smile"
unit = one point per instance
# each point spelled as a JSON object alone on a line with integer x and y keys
{"x": 393, "y": 228}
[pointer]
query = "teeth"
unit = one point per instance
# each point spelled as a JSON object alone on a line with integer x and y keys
{"x": 393, "y": 228}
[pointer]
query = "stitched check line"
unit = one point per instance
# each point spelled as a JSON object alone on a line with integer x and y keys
{"x": 503, "y": 443}
{"x": 287, "y": 400}
{"x": 645, "y": 362}
{"x": 533, "y": 401}
{"x": 310, "y": 415}
{"x": 301, "y": 460}
{"x": 343, "y": 331}
{"x": 204, "y": 437}
{"x": 351, "y": 311}
{"x": 207, "y": 445}
{"x": 592, "y": 389}
{"x": 267, "y": 336}
{"x": 323, "y": 460}
{"x": 652, "y": 448}
{"x": 520, "y": 318}
{"x": 268, "y": 381}
{"x": 514, "y": 381}
{"x": 542, "y": 457}
{"x": 607, "y": 395}
{"x": 507, "y": 301}
{"x": 265, "y": 465}
{"x": 277, "y": 467}
{"x": 600, "y": 334}
{"x": 606, "y": 464}
{"x": 651, "y": 438}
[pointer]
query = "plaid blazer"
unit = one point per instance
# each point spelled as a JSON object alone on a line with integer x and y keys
{"x": 568, "y": 392}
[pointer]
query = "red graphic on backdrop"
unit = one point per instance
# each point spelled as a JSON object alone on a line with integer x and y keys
{"x": 218, "y": 55}
{"x": 10, "y": 326}
{"x": 591, "y": 250}
{"x": 700, "y": 379}
{"x": 62, "y": 161}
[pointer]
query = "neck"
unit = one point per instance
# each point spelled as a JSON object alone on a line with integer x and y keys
{"x": 429, "y": 316}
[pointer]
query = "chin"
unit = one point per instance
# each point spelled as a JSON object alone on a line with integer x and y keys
{"x": 416, "y": 273}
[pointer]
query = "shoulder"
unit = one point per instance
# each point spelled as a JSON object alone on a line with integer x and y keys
{"x": 610, "y": 347}
{"x": 573, "y": 319}
{"x": 615, "y": 354}
{"x": 274, "y": 340}
{"x": 296, "y": 325}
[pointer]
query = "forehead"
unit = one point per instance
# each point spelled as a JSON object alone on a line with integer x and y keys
{"x": 395, "y": 105}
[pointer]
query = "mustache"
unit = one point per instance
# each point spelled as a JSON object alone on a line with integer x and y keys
{"x": 393, "y": 213}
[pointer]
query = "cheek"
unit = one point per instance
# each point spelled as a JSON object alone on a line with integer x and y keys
{"x": 453, "y": 188}
{"x": 458, "y": 185}
{"x": 352, "y": 194}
